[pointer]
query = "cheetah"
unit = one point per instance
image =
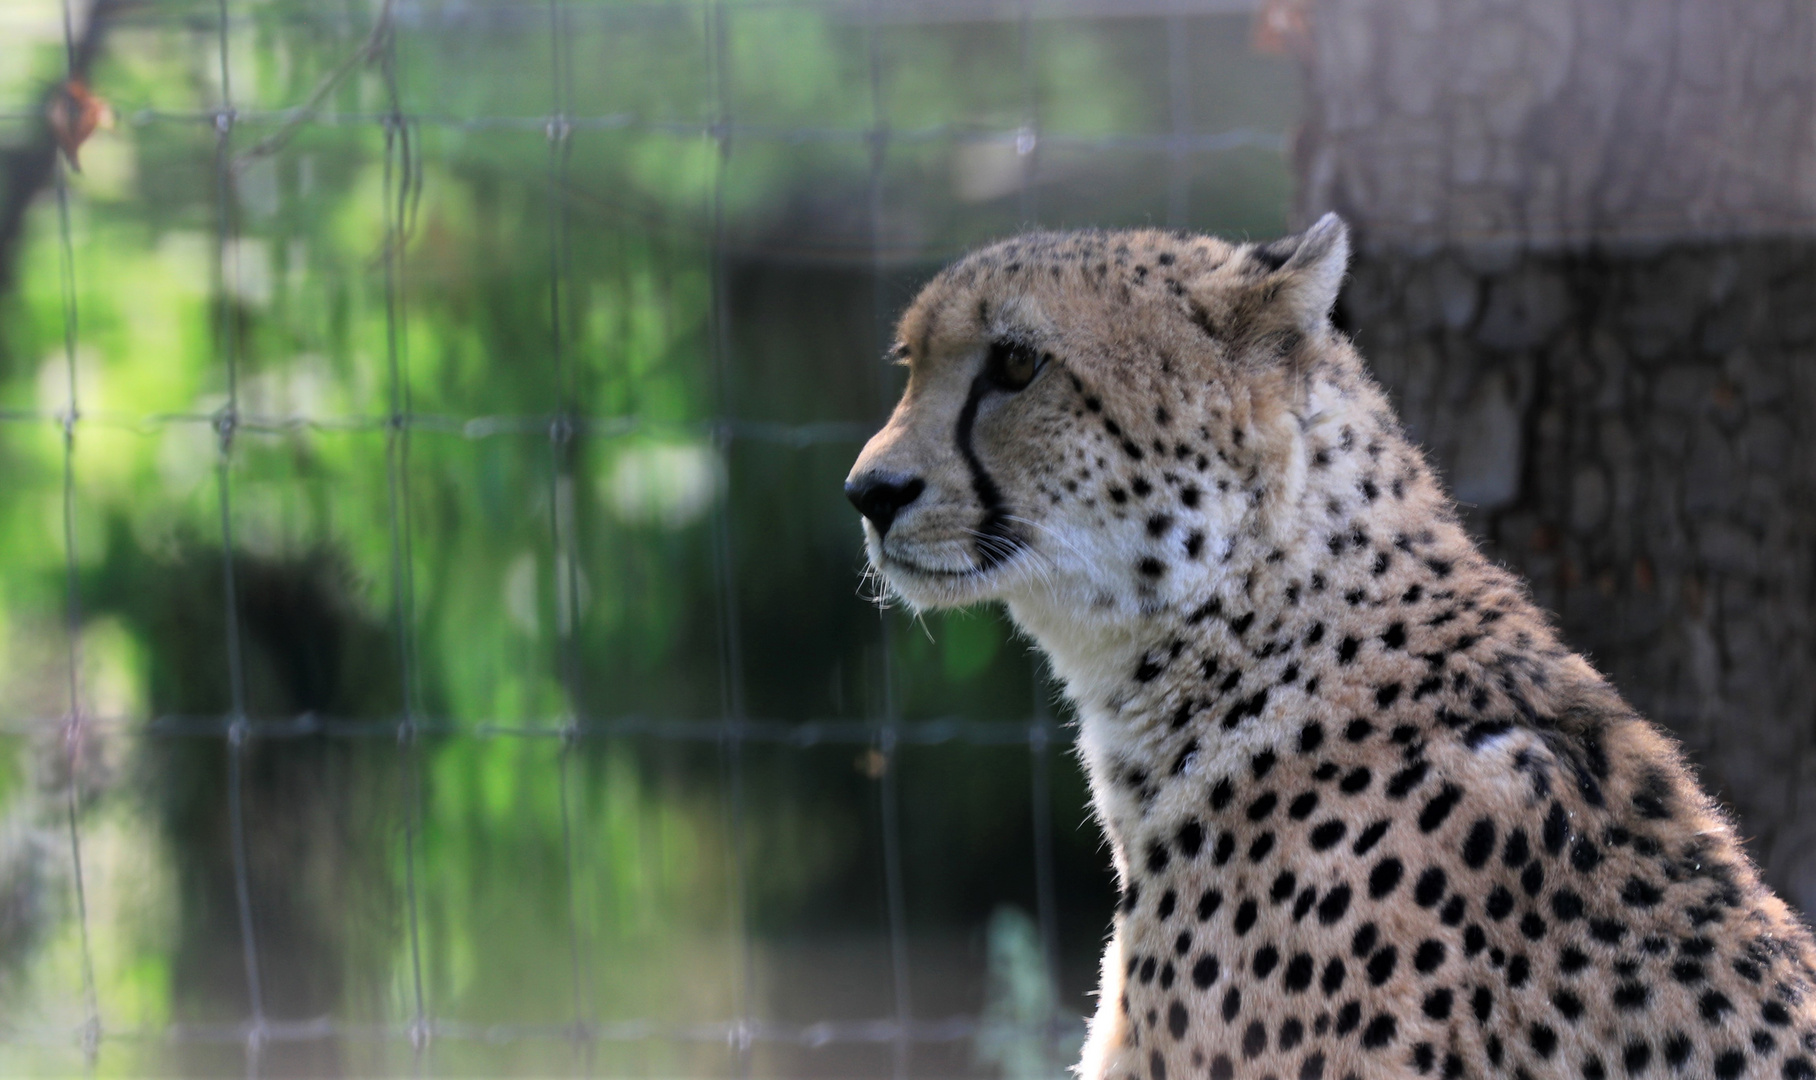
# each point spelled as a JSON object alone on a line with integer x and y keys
{"x": 1369, "y": 817}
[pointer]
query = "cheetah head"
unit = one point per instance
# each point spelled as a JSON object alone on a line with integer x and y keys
{"x": 1097, "y": 418}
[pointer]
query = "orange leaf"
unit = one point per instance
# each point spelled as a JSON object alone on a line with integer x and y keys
{"x": 74, "y": 113}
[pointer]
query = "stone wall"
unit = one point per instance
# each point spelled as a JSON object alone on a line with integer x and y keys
{"x": 1587, "y": 275}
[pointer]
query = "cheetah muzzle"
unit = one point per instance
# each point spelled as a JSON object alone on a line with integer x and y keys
{"x": 1369, "y": 816}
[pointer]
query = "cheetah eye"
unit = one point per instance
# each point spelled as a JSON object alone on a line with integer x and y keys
{"x": 1012, "y": 365}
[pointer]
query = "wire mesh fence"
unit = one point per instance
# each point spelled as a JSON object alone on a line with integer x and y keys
{"x": 237, "y": 133}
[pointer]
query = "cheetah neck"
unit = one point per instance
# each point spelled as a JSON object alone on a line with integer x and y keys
{"x": 1329, "y": 610}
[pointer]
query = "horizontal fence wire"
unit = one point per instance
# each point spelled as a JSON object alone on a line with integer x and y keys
{"x": 1035, "y": 733}
{"x": 1169, "y": 141}
{"x": 809, "y": 1035}
{"x": 554, "y": 426}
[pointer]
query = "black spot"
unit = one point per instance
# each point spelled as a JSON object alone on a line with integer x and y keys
{"x": 1557, "y": 829}
{"x": 1402, "y": 782}
{"x": 1327, "y": 834}
{"x": 1194, "y": 543}
{"x": 1429, "y": 956}
{"x": 1298, "y": 974}
{"x": 1164, "y": 909}
{"x": 1254, "y": 1039}
{"x": 1348, "y": 1017}
{"x": 1307, "y": 896}
{"x": 1386, "y": 695}
{"x": 1302, "y": 806}
{"x": 1566, "y": 905}
{"x": 1584, "y": 856}
{"x": 1266, "y": 958}
{"x": 1157, "y": 1066}
{"x": 1205, "y": 971}
{"x": 1357, "y": 730}
{"x": 1532, "y": 926}
{"x": 1209, "y": 903}
{"x": 1151, "y": 567}
{"x": 1544, "y": 1040}
{"x": 1479, "y": 844}
{"x": 1371, "y": 835}
{"x": 1430, "y": 887}
{"x": 1381, "y": 965}
{"x": 1221, "y": 793}
{"x": 1385, "y": 877}
{"x": 1729, "y": 1064}
{"x": 1176, "y": 1019}
{"x": 1483, "y": 1004}
{"x": 1517, "y": 850}
{"x": 1363, "y": 942}
{"x": 1157, "y": 858}
{"x": 1245, "y": 917}
{"x": 1677, "y": 1049}
{"x": 1292, "y": 1033}
{"x": 1263, "y": 806}
{"x": 1261, "y": 846}
{"x": 1713, "y": 1005}
{"x": 1232, "y": 1004}
{"x": 1533, "y": 879}
{"x": 1640, "y": 893}
{"x": 1380, "y": 1032}
{"x": 1283, "y": 887}
{"x": 1438, "y": 1003}
{"x": 1332, "y": 980}
{"x": 1190, "y": 838}
{"x": 1159, "y": 524}
{"x": 1500, "y": 903}
{"x": 1346, "y": 650}
{"x": 1439, "y": 807}
{"x": 1335, "y": 904}
{"x": 1356, "y": 780}
{"x": 1635, "y": 1056}
{"x": 1311, "y": 736}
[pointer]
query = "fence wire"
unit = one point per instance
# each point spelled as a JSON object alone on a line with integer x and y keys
{"x": 400, "y": 425}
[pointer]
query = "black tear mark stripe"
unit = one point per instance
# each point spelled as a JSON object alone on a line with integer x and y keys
{"x": 995, "y": 542}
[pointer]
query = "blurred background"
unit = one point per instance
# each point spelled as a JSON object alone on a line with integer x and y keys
{"x": 432, "y": 635}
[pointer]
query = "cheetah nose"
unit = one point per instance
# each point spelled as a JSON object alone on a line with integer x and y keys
{"x": 880, "y": 496}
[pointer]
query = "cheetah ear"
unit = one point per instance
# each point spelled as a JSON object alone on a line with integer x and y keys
{"x": 1306, "y": 270}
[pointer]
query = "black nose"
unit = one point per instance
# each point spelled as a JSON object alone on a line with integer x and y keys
{"x": 880, "y": 496}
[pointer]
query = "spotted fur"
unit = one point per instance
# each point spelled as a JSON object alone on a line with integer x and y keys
{"x": 1370, "y": 817}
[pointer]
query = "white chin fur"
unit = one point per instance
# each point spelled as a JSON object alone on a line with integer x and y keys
{"x": 926, "y": 582}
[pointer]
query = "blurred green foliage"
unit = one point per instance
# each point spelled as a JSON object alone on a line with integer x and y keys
{"x": 467, "y": 569}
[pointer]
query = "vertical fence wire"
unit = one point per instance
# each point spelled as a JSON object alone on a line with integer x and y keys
{"x": 1179, "y": 115}
{"x": 888, "y": 720}
{"x": 731, "y": 658}
{"x": 226, "y": 425}
{"x": 73, "y": 733}
{"x": 562, "y": 507}
{"x": 1042, "y": 734}
{"x": 402, "y": 175}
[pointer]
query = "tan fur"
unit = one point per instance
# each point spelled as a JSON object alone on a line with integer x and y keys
{"x": 1279, "y": 643}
